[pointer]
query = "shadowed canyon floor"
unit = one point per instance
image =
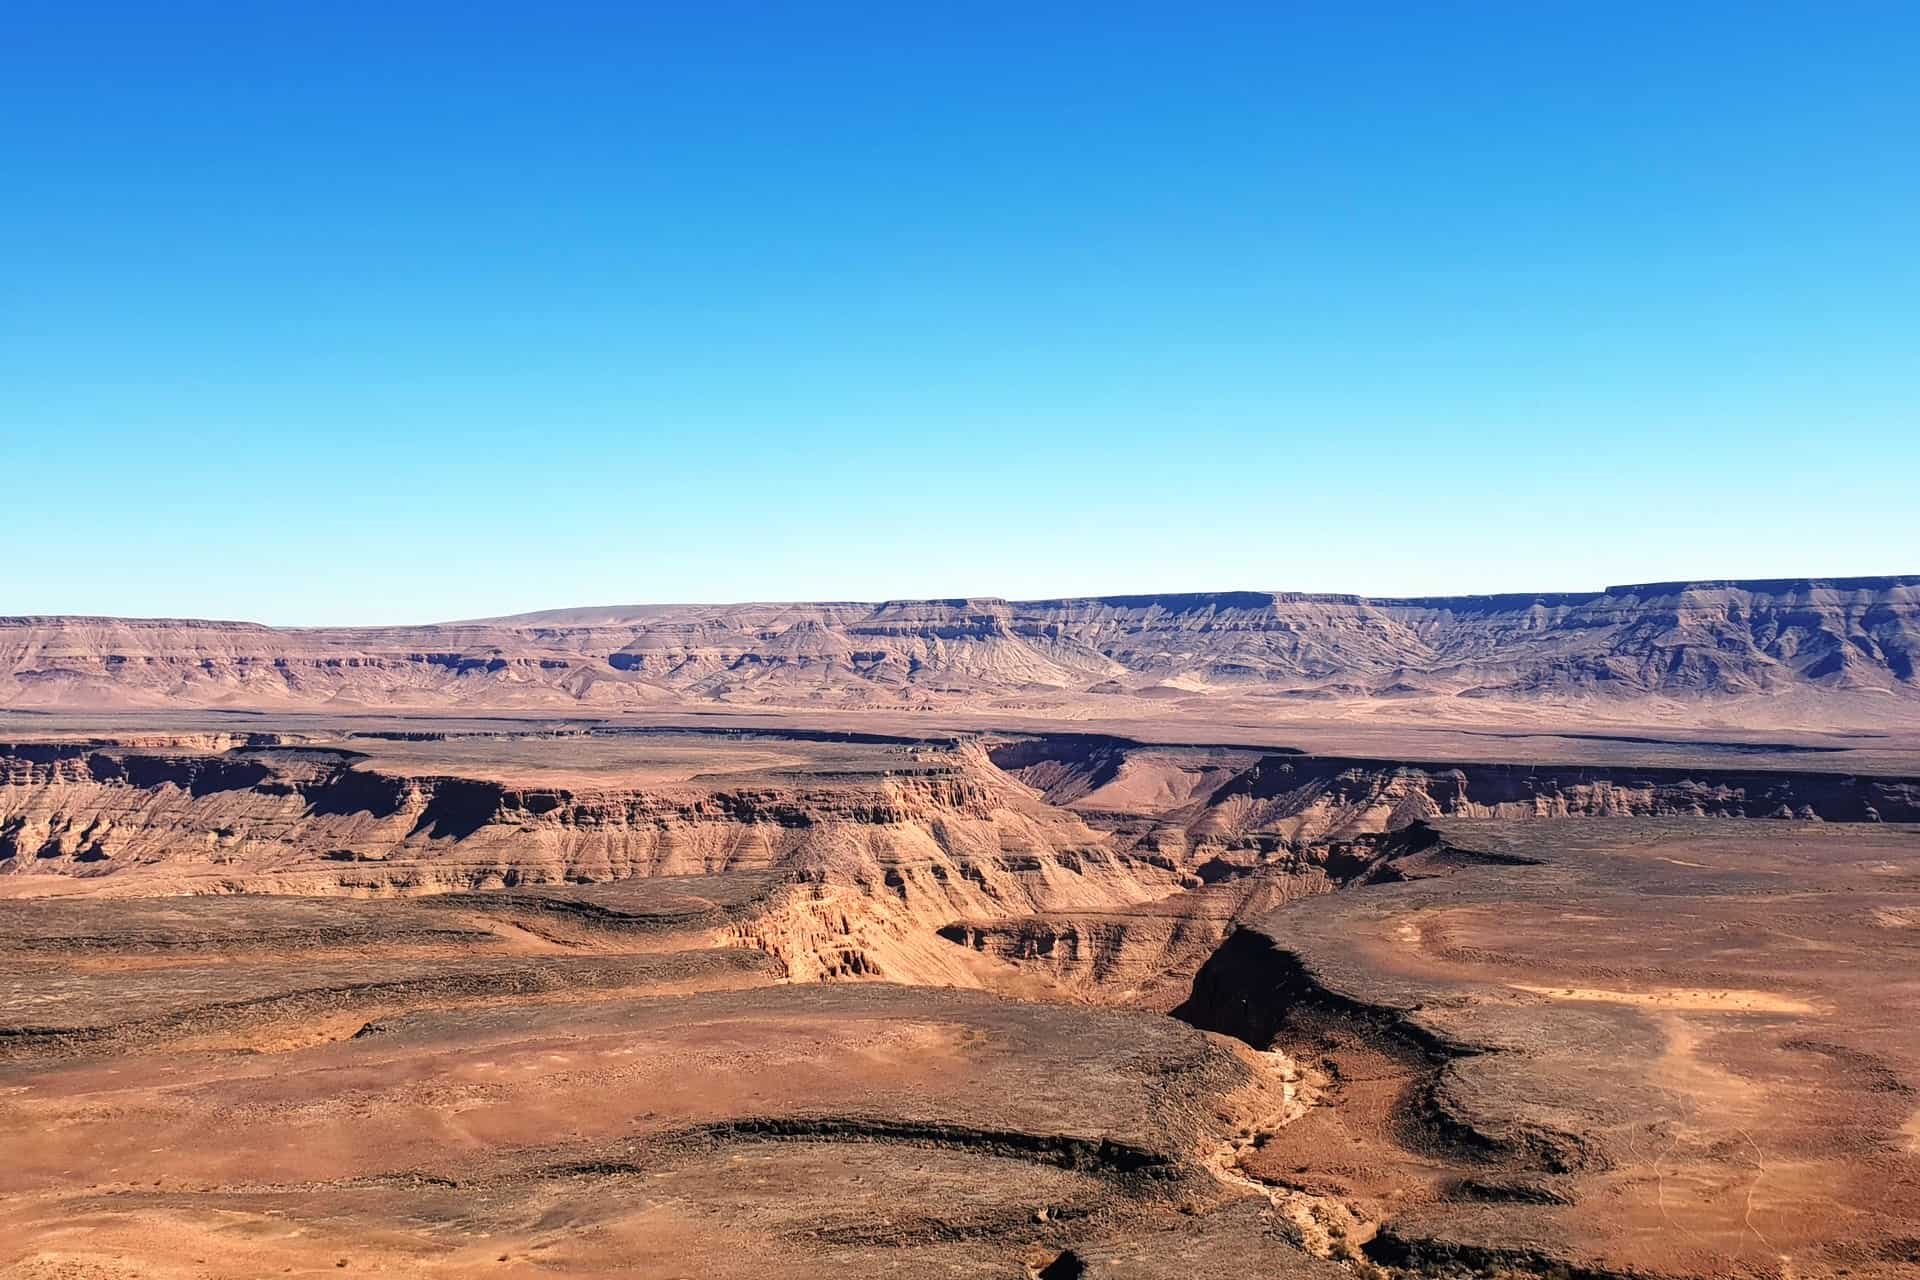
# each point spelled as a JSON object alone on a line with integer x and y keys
{"x": 750, "y": 995}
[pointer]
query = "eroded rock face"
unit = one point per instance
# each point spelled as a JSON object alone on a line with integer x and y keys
{"x": 1049, "y": 864}
{"x": 330, "y": 816}
{"x": 1849, "y": 644}
{"x": 1228, "y": 798}
{"x": 875, "y": 847}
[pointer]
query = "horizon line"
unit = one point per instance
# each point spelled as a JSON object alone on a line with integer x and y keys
{"x": 1241, "y": 597}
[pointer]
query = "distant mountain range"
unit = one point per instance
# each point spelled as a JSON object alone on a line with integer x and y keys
{"x": 1807, "y": 641}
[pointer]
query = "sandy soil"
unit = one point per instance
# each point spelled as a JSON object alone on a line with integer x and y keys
{"x": 1734, "y": 1096}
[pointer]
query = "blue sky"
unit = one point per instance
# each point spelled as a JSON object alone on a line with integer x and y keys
{"x": 315, "y": 313}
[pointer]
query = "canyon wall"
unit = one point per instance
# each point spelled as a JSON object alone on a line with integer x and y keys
{"x": 1094, "y": 864}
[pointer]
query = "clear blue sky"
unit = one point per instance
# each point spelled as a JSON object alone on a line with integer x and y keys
{"x": 406, "y": 311}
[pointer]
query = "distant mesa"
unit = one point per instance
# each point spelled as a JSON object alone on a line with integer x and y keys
{"x": 1839, "y": 649}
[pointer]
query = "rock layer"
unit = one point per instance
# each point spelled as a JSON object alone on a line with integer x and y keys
{"x": 1850, "y": 642}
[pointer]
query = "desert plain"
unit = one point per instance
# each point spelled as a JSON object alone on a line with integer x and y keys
{"x": 1243, "y": 935}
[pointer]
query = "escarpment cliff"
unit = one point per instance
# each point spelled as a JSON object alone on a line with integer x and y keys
{"x": 875, "y": 851}
{"x": 1847, "y": 643}
{"x": 1064, "y": 862}
{"x": 328, "y": 820}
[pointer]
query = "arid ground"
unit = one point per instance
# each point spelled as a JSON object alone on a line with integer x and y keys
{"x": 1168, "y": 986}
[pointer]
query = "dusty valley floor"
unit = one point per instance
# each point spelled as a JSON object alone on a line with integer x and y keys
{"x": 749, "y": 994}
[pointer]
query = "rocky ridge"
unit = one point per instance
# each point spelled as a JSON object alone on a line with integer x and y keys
{"x": 1852, "y": 642}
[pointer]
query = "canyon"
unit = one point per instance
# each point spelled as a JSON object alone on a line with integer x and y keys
{"x": 1146, "y": 937}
